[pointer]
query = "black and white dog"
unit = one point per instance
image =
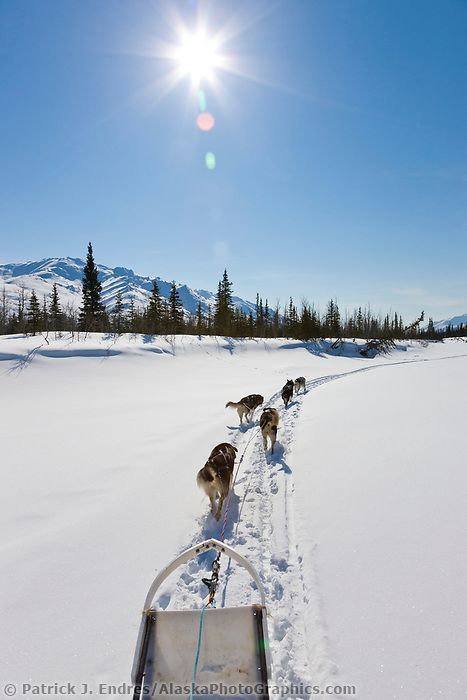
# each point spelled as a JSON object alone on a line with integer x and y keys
{"x": 287, "y": 391}
{"x": 269, "y": 423}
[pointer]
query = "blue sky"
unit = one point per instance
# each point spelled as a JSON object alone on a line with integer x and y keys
{"x": 341, "y": 158}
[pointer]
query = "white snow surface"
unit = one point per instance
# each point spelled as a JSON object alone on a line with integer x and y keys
{"x": 357, "y": 524}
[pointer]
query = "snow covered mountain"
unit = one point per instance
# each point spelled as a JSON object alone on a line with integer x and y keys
{"x": 67, "y": 273}
{"x": 454, "y": 322}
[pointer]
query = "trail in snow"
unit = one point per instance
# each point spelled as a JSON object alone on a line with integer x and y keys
{"x": 261, "y": 526}
{"x": 265, "y": 535}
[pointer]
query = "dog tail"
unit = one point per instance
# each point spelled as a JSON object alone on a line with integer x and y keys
{"x": 231, "y": 404}
{"x": 199, "y": 478}
{"x": 204, "y": 476}
{"x": 264, "y": 420}
{"x": 224, "y": 479}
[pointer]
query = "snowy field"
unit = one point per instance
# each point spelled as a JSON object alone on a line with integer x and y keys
{"x": 357, "y": 524}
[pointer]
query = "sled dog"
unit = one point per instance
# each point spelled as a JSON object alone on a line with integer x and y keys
{"x": 215, "y": 477}
{"x": 287, "y": 392}
{"x": 299, "y": 383}
{"x": 246, "y": 406}
{"x": 268, "y": 423}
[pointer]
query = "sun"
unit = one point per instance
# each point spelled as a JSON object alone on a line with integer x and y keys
{"x": 197, "y": 57}
{"x": 197, "y": 51}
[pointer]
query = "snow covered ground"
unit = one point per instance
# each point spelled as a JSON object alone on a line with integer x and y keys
{"x": 357, "y": 523}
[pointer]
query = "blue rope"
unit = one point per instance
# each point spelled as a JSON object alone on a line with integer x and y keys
{"x": 195, "y": 668}
{"x": 213, "y": 602}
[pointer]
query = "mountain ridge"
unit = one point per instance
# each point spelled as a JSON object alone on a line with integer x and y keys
{"x": 67, "y": 273}
{"x": 454, "y": 322}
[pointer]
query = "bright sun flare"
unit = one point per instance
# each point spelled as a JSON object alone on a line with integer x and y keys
{"x": 197, "y": 57}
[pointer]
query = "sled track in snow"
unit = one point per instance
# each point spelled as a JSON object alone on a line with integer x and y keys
{"x": 265, "y": 534}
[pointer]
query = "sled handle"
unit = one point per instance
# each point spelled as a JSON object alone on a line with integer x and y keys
{"x": 137, "y": 672}
{"x": 195, "y": 551}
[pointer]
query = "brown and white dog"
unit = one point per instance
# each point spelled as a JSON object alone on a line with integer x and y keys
{"x": 269, "y": 423}
{"x": 299, "y": 383}
{"x": 246, "y": 406}
{"x": 287, "y": 391}
{"x": 215, "y": 477}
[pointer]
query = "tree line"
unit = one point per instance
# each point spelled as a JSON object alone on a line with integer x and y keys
{"x": 168, "y": 317}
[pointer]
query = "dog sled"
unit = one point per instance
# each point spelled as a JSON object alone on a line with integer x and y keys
{"x": 211, "y": 652}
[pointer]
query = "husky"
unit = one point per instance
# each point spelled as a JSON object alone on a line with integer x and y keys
{"x": 299, "y": 383}
{"x": 246, "y": 406}
{"x": 215, "y": 477}
{"x": 268, "y": 423}
{"x": 287, "y": 391}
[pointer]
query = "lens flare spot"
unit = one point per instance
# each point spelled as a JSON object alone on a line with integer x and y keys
{"x": 205, "y": 121}
{"x": 201, "y": 101}
{"x": 210, "y": 160}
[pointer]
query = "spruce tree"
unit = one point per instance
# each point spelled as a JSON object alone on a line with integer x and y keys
{"x": 132, "y": 316}
{"x": 291, "y": 317}
{"x": 55, "y": 311}
{"x": 224, "y": 308}
{"x": 20, "y": 315}
{"x": 154, "y": 310}
{"x": 291, "y": 320}
{"x": 430, "y": 331}
{"x": 117, "y": 313}
{"x": 92, "y": 312}
{"x": 218, "y": 307}
{"x": 251, "y": 325}
{"x": 276, "y": 321}
{"x": 199, "y": 319}
{"x": 359, "y": 322}
{"x": 3, "y": 311}
{"x": 175, "y": 310}
{"x": 332, "y": 320}
{"x": 306, "y": 326}
{"x": 227, "y": 295}
{"x": 44, "y": 322}
{"x": 260, "y": 319}
{"x": 286, "y": 322}
{"x": 315, "y": 323}
{"x": 266, "y": 319}
{"x": 412, "y": 330}
{"x": 34, "y": 314}
{"x": 386, "y": 327}
{"x": 164, "y": 316}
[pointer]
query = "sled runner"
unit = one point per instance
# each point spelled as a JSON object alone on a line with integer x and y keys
{"x": 204, "y": 651}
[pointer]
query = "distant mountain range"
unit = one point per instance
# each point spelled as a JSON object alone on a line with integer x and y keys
{"x": 67, "y": 274}
{"x": 454, "y": 322}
